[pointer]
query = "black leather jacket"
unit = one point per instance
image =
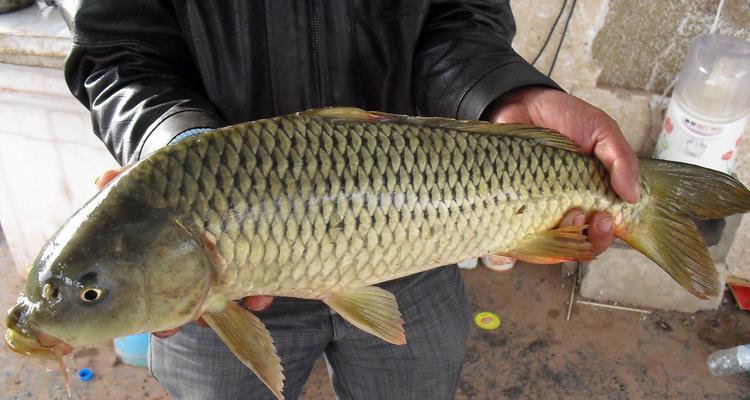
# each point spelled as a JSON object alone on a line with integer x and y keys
{"x": 150, "y": 69}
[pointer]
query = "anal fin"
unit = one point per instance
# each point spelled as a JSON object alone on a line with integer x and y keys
{"x": 372, "y": 309}
{"x": 566, "y": 243}
{"x": 249, "y": 340}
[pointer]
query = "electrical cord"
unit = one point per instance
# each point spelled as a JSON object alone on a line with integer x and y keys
{"x": 562, "y": 37}
{"x": 715, "y": 25}
{"x": 551, "y": 31}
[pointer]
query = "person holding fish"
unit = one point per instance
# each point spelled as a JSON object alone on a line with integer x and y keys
{"x": 352, "y": 220}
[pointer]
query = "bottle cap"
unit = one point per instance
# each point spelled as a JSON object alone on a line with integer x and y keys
{"x": 498, "y": 263}
{"x": 487, "y": 320}
{"x": 85, "y": 375}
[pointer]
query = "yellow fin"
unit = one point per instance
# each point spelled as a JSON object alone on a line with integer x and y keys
{"x": 672, "y": 241}
{"x": 372, "y": 309}
{"x": 667, "y": 235}
{"x": 554, "y": 246}
{"x": 543, "y": 136}
{"x": 249, "y": 340}
{"x": 693, "y": 190}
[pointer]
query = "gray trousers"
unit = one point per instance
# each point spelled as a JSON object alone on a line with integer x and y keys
{"x": 195, "y": 364}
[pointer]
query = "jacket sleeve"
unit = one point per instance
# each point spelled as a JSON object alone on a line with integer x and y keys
{"x": 465, "y": 61}
{"x": 130, "y": 66}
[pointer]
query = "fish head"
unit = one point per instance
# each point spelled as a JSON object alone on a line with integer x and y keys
{"x": 108, "y": 273}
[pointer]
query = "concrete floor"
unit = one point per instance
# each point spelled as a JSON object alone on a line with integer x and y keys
{"x": 535, "y": 354}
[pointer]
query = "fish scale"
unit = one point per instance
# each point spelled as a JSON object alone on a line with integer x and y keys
{"x": 302, "y": 205}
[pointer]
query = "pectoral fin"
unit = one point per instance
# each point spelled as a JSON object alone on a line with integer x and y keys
{"x": 372, "y": 309}
{"x": 249, "y": 340}
{"x": 207, "y": 242}
{"x": 554, "y": 246}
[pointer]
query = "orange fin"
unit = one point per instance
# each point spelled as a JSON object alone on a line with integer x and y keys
{"x": 554, "y": 246}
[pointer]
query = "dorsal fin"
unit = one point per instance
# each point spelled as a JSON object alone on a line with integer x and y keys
{"x": 543, "y": 136}
{"x": 353, "y": 114}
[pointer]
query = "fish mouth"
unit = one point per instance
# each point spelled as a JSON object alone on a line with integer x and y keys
{"x": 38, "y": 344}
{"x": 25, "y": 338}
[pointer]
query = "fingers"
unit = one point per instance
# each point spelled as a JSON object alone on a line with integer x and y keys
{"x": 599, "y": 232}
{"x": 257, "y": 303}
{"x": 165, "y": 334}
{"x": 108, "y": 176}
{"x": 170, "y": 332}
{"x": 611, "y": 148}
{"x": 594, "y": 131}
{"x": 573, "y": 217}
{"x": 624, "y": 176}
{"x": 591, "y": 128}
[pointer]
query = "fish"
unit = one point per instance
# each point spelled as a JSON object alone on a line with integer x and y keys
{"x": 325, "y": 204}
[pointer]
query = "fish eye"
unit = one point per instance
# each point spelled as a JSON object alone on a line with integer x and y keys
{"x": 49, "y": 292}
{"x": 90, "y": 295}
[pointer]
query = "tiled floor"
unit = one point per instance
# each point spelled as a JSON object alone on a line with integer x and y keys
{"x": 535, "y": 354}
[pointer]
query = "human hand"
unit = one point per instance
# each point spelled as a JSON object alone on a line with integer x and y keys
{"x": 252, "y": 303}
{"x": 594, "y": 132}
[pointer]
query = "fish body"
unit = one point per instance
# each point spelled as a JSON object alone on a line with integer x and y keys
{"x": 326, "y": 203}
{"x": 307, "y": 205}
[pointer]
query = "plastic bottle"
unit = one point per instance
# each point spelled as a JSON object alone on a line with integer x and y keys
{"x": 729, "y": 361}
{"x": 133, "y": 349}
{"x": 709, "y": 108}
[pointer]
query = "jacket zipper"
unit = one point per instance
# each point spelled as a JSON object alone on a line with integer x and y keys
{"x": 316, "y": 51}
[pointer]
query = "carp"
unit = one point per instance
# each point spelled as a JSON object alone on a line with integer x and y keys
{"x": 324, "y": 204}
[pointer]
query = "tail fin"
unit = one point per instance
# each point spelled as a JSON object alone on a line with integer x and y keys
{"x": 666, "y": 233}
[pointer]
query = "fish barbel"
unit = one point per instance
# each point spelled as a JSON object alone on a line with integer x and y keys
{"x": 326, "y": 203}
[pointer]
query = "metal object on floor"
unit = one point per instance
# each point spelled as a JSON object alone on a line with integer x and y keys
{"x": 622, "y": 308}
{"x": 571, "y": 269}
{"x": 572, "y": 297}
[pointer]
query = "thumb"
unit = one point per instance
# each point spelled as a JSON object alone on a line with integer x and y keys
{"x": 165, "y": 334}
{"x": 108, "y": 176}
{"x": 257, "y": 303}
{"x": 611, "y": 148}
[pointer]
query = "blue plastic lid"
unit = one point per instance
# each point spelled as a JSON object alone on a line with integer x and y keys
{"x": 85, "y": 375}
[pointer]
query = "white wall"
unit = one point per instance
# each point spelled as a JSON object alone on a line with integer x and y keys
{"x": 49, "y": 157}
